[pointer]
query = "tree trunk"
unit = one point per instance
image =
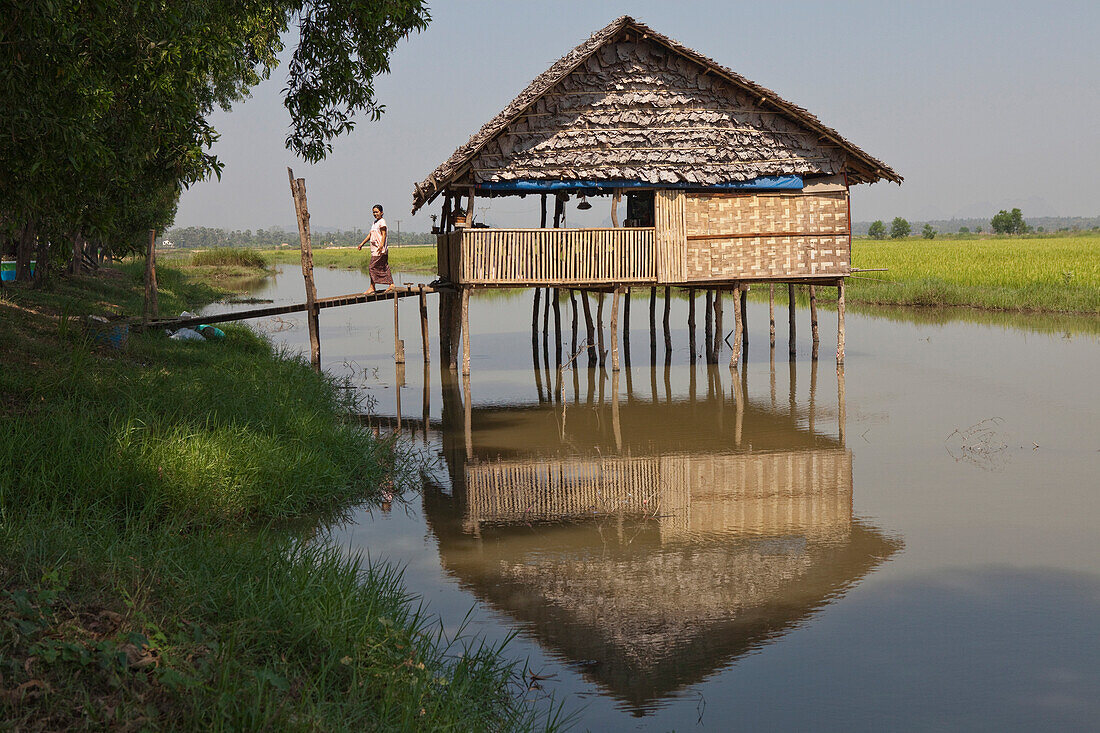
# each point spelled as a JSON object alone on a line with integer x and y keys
{"x": 24, "y": 253}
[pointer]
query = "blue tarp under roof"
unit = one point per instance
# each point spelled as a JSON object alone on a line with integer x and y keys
{"x": 772, "y": 183}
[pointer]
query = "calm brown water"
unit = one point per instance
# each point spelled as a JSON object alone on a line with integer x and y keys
{"x": 911, "y": 545}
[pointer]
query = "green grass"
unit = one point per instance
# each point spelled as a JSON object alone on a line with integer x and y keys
{"x": 232, "y": 256}
{"x": 1006, "y": 273}
{"x": 408, "y": 259}
{"x": 162, "y": 556}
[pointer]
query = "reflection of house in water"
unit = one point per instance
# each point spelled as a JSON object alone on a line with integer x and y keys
{"x": 645, "y": 546}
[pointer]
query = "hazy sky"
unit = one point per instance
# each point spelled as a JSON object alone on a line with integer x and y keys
{"x": 979, "y": 105}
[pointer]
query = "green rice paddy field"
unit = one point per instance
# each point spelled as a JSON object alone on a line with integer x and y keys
{"x": 999, "y": 273}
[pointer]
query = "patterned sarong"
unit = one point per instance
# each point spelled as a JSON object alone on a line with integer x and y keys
{"x": 380, "y": 269}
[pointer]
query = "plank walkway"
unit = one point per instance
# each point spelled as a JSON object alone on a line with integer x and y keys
{"x": 404, "y": 291}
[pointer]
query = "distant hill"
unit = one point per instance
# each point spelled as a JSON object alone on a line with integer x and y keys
{"x": 1048, "y": 223}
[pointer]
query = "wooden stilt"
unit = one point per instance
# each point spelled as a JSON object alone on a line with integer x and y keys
{"x": 537, "y": 367}
{"x": 542, "y": 223}
{"x": 626, "y": 335}
{"x": 399, "y": 382}
{"x": 813, "y": 318}
{"x": 573, "y": 306}
{"x": 840, "y": 322}
{"x": 665, "y": 322}
{"x": 745, "y": 319}
{"x": 771, "y": 314}
{"x": 691, "y": 324}
{"x": 793, "y": 388}
{"x": 599, "y": 329}
{"x": 615, "y": 331}
{"x": 739, "y": 397}
{"x": 465, "y": 331}
{"x": 298, "y": 192}
{"x": 790, "y": 319}
{"x": 738, "y": 328}
{"x": 717, "y": 325}
{"x": 546, "y": 316}
{"x": 557, "y": 325}
{"x": 708, "y": 325}
{"x": 653, "y": 326}
{"x": 398, "y": 344}
{"x": 535, "y": 314}
{"x": 450, "y": 326}
{"x": 424, "y": 322}
{"x": 589, "y": 327}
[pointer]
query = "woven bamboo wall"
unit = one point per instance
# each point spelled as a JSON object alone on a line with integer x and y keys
{"x": 668, "y": 211}
{"x": 550, "y": 256}
{"x": 766, "y": 235}
{"x": 809, "y": 492}
{"x": 764, "y": 493}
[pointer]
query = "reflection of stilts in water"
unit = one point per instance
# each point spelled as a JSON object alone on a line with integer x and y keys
{"x": 841, "y": 410}
{"x": 615, "y": 411}
{"x": 399, "y": 382}
{"x": 467, "y": 417}
{"x": 811, "y": 412}
{"x": 426, "y": 408}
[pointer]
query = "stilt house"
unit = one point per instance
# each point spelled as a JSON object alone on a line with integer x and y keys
{"x": 725, "y": 182}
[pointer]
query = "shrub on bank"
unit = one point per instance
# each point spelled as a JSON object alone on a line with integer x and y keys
{"x": 229, "y": 257}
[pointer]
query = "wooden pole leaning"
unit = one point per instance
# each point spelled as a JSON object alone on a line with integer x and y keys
{"x": 790, "y": 319}
{"x": 424, "y": 321}
{"x": 839, "y": 321}
{"x": 298, "y": 191}
{"x": 398, "y": 344}
{"x": 465, "y": 332}
{"x": 615, "y": 330}
{"x": 151, "y": 309}
{"x": 813, "y": 321}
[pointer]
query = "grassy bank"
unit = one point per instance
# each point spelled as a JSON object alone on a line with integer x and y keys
{"x": 149, "y": 574}
{"x": 1006, "y": 273}
{"x": 407, "y": 259}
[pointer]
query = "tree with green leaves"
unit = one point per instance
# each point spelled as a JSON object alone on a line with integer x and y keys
{"x": 928, "y": 232}
{"x": 107, "y": 102}
{"x": 964, "y": 230}
{"x": 1009, "y": 222}
{"x": 877, "y": 230}
{"x": 899, "y": 228}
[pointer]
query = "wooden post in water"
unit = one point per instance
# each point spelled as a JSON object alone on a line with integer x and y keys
{"x": 615, "y": 332}
{"x": 573, "y": 306}
{"x": 738, "y": 327}
{"x": 424, "y": 322}
{"x": 535, "y": 315}
{"x": 839, "y": 321}
{"x": 790, "y": 319}
{"x": 626, "y": 333}
{"x": 653, "y": 326}
{"x": 151, "y": 308}
{"x": 691, "y": 324}
{"x": 542, "y": 223}
{"x": 465, "y": 332}
{"x": 708, "y": 325}
{"x": 298, "y": 191}
{"x": 599, "y": 329}
{"x": 398, "y": 344}
{"x": 557, "y": 325}
{"x": 668, "y": 333}
{"x": 717, "y": 325}
{"x": 426, "y": 405}
{"x": 813, "y": 321}
{"x": 546, "y": 317}
{"x": 589, "y": 328}
{"x": 745, "y": 318}
{"x": 771, "y": 314}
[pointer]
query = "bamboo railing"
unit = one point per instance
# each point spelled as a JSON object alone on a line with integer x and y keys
{"x": 548, "y": 256}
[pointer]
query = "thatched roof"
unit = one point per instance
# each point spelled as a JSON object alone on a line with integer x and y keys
{"x": 630, "y": 103}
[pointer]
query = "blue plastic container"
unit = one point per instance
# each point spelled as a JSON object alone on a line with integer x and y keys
{"x": 7, "y": 270}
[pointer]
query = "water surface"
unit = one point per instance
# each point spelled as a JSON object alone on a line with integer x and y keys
{"x": 909, "y": 544}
